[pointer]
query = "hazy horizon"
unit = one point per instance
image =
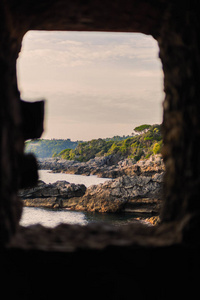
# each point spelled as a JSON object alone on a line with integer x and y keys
{"x": 96, "y": 85}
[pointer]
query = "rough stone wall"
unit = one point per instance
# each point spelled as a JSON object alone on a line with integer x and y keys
{"x": 11, "y": 142}
{"x": 175, "y": 27}
{"x": 93, "y": 15}
{"x": 16, "y": 169}
{"x": 180, "y": 56}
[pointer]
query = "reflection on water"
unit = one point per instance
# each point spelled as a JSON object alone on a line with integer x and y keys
{"x": 52, "y": 218}
{"x": 111, "y": 218}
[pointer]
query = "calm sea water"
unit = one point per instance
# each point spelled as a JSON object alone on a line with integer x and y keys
{"x": 51, "y": 218}
{"x": 48, "y": 177}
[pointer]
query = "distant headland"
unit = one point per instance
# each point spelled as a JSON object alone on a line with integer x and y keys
{"x": 146, "y": 140}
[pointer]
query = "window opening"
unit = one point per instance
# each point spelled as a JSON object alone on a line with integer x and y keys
{"x": 100, "y": 88}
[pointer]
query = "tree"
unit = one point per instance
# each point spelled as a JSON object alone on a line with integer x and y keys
{"x": 142, "y": 128}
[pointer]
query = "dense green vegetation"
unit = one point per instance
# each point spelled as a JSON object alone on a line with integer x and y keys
{"x": 47, "y": 148}
{"x": 146, "y": 141}
{"x": 142, "y": 128}
{"x": 139, "y": 146}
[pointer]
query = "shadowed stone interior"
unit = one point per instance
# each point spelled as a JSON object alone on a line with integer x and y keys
{"x": 24, "y": 250}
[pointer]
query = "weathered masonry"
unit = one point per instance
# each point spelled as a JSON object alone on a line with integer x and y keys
{"x": 101, "y": 259}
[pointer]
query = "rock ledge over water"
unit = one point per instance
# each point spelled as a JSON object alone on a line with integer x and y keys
{"x": 141, "y": 194}
{"x": 137, "y": 190}
{"x": 51, "y": 195}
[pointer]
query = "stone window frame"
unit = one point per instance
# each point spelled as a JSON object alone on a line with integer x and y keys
{"x": 175, "y": 29}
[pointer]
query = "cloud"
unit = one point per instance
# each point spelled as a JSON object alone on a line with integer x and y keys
{"x": 92, "y": 79}
{"x": 62, "y": 49}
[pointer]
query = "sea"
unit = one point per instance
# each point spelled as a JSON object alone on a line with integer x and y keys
{"x": 53, "y": 217}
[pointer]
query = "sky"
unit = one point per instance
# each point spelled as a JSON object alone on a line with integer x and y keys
{"x": 95, "y": 85}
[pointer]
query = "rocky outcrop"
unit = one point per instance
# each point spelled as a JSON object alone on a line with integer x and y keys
{"x": 138, "y": 194}
{"x": 140, "y": 191}
{"x": 106, "y": 167}
{"x": 141, "y": 194}
{"x": 91, "y": 167}
{"x": 51, "y": 195}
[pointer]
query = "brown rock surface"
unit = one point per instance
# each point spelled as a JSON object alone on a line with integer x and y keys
{"x": 133, "y": 194}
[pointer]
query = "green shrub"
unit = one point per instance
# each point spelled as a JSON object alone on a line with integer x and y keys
{"x": 156, "y": 148}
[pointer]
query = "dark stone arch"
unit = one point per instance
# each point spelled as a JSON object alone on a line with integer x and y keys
{"x": 176, "y": 28}
{"x": 171, "y": 250}
{"x": 17, "y": 17}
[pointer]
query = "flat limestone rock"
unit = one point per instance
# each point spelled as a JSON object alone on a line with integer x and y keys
{"x": 51, "y": 195}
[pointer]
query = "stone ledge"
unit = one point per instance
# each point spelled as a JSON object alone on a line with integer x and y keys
{"x": 144, "y": 262}
{"x": 70, "y": 238}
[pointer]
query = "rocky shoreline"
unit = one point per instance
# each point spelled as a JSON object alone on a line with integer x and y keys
{"x": 51, "y": 195}
{"x": 136, "y": 187}
{"x": 105, "y": 167}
